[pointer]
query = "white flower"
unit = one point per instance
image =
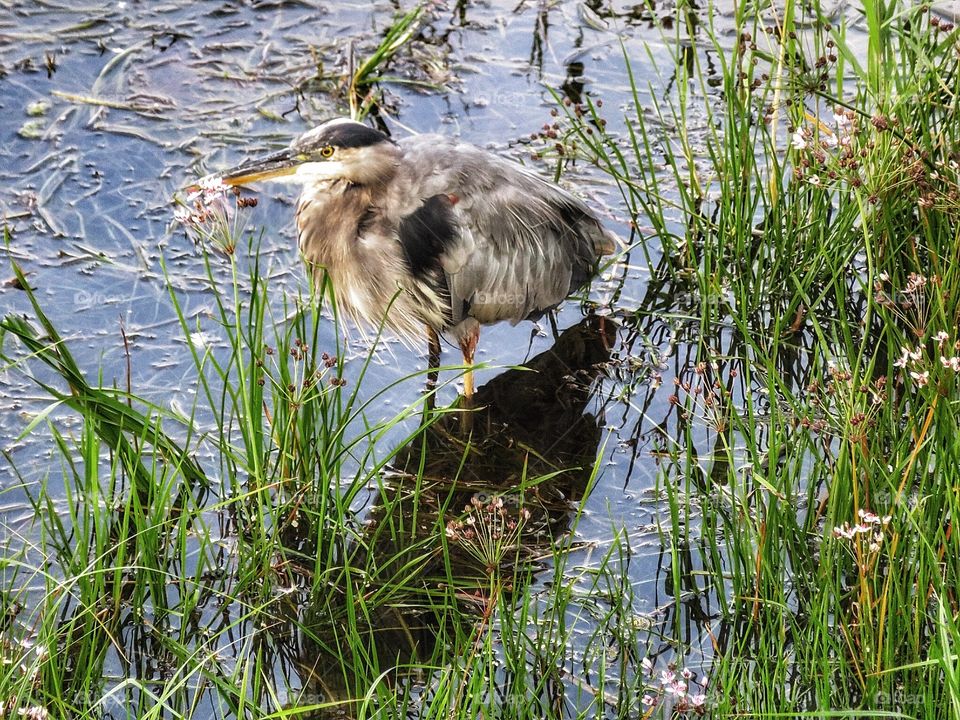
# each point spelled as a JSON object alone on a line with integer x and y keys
{"x": 798, "y": 142}
{"x": 941, "y": 337}
{"x": 213, "y": 184}
{"x": 814, "y": 179}
{"x": 202, "y": 341}
{"x": 677, "y": 689}
{"x": 210, "y": 189}
{"x": 952, "y": 363}
{"x": 698, "y": 701}
{"x": 922, "y": 378}
{"x": 647, "y": 665}
{"x": 906, "y": 356}
{"x": 185, "y": 216}
{"x": 843, "y": 122}
{"x": 843, "y": 531}
{"x": 34, "y": 713}
{"x": 648, "y": 700}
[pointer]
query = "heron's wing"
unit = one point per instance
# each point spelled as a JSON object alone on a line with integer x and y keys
{"x": 509, "y": 244}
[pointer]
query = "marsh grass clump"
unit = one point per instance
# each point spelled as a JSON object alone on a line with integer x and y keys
{"x": 823, "y": 212}
{"x": 260, "y": 533}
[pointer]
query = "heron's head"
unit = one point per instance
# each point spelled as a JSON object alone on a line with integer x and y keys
{"x": 339, "y": 149}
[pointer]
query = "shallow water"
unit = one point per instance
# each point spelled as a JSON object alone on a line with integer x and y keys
{"x": 142, "y": 98}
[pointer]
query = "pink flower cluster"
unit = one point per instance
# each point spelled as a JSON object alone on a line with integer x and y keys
{"x": 871, "y": 526}
{"x": 911, "y": 359}
{"x": 675, "y": 689}
{"x": 203, "y": 202}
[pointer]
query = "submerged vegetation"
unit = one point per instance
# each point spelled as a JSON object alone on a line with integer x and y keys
{"x": 287, "y": 547}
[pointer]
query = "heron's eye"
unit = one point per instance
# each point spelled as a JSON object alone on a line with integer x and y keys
{"x": 326, "y": 151}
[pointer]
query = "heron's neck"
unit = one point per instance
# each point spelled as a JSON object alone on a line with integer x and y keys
{"x": 334, "y": 212}
{"x": 330, "y": 217}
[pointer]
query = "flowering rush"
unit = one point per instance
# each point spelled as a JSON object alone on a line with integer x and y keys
{"x": 871, "y": 527}
{"x": 201, "y": 204}
{"x": 844, "y": 120}
{"x": 912, "y": 359}
{"x": 488, "y": 529}
{"x": 675, "y": 689}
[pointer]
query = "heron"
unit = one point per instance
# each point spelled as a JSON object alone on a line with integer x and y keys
{"x": 430, "y": 233}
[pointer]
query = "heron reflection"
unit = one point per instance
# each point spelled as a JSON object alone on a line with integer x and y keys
{"x": 534, "y": 443}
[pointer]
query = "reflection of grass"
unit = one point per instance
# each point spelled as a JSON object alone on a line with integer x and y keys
{"x": 821, "y": 203}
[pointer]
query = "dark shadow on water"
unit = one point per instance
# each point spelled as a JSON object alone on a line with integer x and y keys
{"x": 531, "y": 454}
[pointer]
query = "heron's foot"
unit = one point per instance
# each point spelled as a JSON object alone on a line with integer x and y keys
{"x": 468, "y": 340}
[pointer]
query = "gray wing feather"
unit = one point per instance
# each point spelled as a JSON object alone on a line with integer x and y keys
{"x": 524, "y": 243}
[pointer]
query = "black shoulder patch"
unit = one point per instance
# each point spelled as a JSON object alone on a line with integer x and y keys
{"x": 427, "y": 232}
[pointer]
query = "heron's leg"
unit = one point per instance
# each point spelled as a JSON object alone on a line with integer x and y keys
{"x": 607, "y": 334}
{"x": 433, "y": 363}
{"x": 468, "y": 345}
{"x": 552, "y": 317}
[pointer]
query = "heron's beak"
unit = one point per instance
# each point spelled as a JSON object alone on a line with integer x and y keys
{"x": 272, "y": 166}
